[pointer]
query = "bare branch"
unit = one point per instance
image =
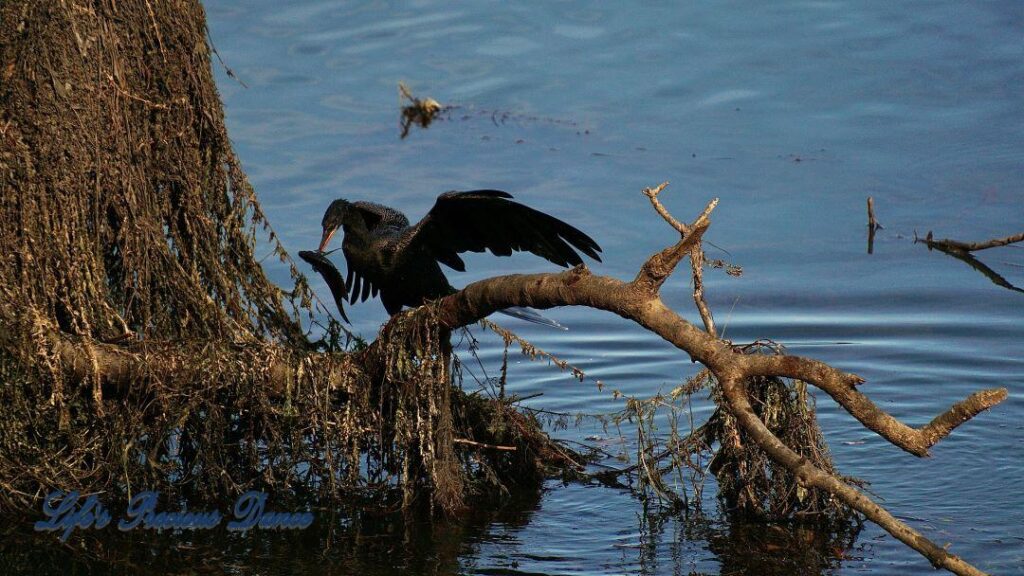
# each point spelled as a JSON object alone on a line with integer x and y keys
{"x": 963, "y": 251}
{"x": 961, "y": 412}
{"x": 810, "y": 475}
{"x": 696, "y": 254}
{"x": 697, "y": 271}
{"x": 652, "y": 193}
{"x": 970, "y": 246}
{"x": 705, "y": 214}
{"x": 841, "y": 387}
{"x": 660, "y": 266}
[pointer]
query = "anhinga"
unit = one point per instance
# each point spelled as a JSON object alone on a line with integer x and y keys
{"x": 386, "y": 255}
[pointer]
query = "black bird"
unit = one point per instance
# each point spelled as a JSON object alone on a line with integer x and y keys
{"x": 386, "y": 255}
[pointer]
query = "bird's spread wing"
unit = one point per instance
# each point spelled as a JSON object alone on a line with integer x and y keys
{"x": 359, "y": 286}
{"x": 489, "y": 220}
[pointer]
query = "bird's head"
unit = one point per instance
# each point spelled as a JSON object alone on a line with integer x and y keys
{"x": 334, "y": 217}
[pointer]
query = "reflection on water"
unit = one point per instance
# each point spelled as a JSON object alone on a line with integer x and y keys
{"x": 792, "y": 113}
{"x": 486, "y": 540}
{"x": 360, "y": 543}
{"x": 966, "y": 255}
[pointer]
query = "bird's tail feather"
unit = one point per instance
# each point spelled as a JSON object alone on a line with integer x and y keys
{"x": 531, "y": 315}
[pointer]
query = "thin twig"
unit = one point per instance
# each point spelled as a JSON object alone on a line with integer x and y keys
{"x": 156, "y": 29}
{"x": 124, "y": 92}
{"x": 652, "y": 193}
{"x": 231, "y": 73}
{"x": 483, "y": 445}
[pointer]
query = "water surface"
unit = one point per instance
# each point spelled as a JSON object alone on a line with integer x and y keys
{"x": 792, "y": 113}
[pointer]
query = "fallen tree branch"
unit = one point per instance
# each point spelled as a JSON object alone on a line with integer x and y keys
{"x": 639, "y": 301}
{"x": 578, "y": 287}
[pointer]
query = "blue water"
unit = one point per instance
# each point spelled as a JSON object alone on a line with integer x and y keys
{"x": 792, "y": 113}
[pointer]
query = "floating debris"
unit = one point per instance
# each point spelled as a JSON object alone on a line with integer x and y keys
{"x": 420, "y": 112}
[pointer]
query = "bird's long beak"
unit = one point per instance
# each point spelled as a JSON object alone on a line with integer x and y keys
{"x": 326, "y": 238}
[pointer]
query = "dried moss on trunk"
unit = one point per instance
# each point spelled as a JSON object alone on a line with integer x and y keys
{"x": 126, "y": 218}
{"x": 209, "y": 420}
{"x": 125, "y": 210}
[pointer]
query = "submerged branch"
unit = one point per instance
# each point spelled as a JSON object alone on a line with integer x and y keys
{"x": 963, "y": 251}
{"x": 971, "y": 246}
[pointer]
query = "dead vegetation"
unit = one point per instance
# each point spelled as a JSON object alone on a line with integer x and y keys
{"x": 418, "y": 111}
{"x": 126, "y": 212}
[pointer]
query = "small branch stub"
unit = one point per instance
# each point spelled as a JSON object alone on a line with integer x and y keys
{"x": 873, "y": 225}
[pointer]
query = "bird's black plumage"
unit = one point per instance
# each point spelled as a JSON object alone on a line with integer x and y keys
{"x": 386, "y": 255}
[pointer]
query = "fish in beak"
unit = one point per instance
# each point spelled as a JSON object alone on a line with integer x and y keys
{"x": 326, "y": 238}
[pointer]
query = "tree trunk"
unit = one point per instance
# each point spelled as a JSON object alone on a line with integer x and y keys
{"x": 124, "y": 207}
